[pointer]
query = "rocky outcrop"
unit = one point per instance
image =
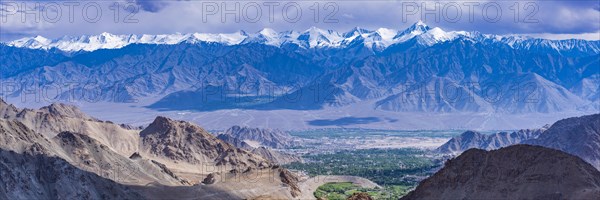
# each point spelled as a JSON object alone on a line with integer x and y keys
{"x": 276, "y": 157}
{"x": 187, "y": 142}
{"x": 89, "y": 154}
{"x": 7, "y": 110}
{"x": 65, "y": 110}
{"x": 291, "y": 180}
{"x": 135, "y": 156}
{"x": 514, "y": 172}
{"x": 17, "y": 137}
{"x": 168, "y": 171}
{"x": 235, "y": 141}
{"x": 210, "y": 179}
{"x": 473, "y": 139}
{"x": 265, "y": 137}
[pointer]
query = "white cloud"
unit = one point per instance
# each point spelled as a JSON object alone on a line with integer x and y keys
{"x": 564, "y": 18}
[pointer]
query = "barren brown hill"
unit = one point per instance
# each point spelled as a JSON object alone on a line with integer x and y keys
{"x": 56, "y": 118}
{"x": 162, "y": 161}
{"x": 514, "y": 172}
{"x": 88, "y": 154}
{"x": 187, "y": 142}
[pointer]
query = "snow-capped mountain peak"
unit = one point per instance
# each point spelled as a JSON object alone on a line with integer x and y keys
{"x": 269, "y": 32}
{"x": 313, "y": 37}
{"x": 356, "y": 31}
{"x": 33, "y": 42}
{"x": 412, "y": 31}
{"x": 420, "y": 23}
{"x": 436, "y": 35}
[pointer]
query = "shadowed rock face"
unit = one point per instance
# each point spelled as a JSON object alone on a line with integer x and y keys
{"x": 579, "y": 136}
{"x": 184, "y": 141}
{"x": 514, "y": 172}
{"x": 291, "y": 180}
{"x": 7, "y": 110}
{"x": 26, "y": 176}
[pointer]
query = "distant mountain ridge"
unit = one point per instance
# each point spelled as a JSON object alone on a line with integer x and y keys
{"x": 579, "y": 136}
{"x": 473, "y": 139}
{"x": 271, "y": 138}
{"x": 263, "y": 142}
{"x": 420, "y": 69}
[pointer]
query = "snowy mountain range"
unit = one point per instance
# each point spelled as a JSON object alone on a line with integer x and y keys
{"x": 420, "y": 69}
{"x": 314, "y": 37}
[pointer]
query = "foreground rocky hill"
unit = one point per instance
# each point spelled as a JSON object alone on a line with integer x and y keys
{"x": 56, "y": 118}
{"x": 37, "y": 176}
{"x": 514, "y": 172}
{"x": 95, "y": 159}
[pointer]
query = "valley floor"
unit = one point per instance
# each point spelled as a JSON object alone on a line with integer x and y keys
{"x": 359, "y": 115}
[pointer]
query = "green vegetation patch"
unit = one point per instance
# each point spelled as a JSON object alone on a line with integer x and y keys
{"x": 382, "y": 166}
{"x": 396, "y": 170}
{"x": 342, "y": 190}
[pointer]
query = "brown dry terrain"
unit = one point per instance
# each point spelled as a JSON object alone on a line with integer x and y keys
{"x": 168, "y": 159}
{"x": 514, "y": 172}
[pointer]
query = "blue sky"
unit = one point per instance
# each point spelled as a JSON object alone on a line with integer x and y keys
{"x": 548, "y": 19}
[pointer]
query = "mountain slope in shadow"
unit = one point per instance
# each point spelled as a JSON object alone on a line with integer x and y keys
{"x": 31, "y": 176}
{"x": 514, "y": 172}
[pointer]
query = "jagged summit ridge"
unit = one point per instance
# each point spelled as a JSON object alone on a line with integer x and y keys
{"x": 473, "y": 139}
{"x": 311, "y": 38}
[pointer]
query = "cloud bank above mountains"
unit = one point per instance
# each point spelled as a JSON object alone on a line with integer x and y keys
{"x": 548, "y": 19}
